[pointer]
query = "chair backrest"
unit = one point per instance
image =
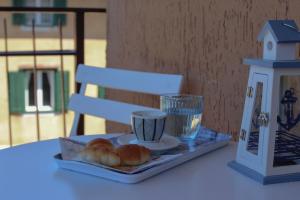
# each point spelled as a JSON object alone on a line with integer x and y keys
{"x": 143, "y": 82}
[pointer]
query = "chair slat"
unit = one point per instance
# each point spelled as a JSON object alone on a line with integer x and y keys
{"x": 108, "y": 109}
{"x": 144, "y": 82}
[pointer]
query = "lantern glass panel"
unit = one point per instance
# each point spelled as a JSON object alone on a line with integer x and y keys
{"x": 287, "y": 142}
{"x": 253, "y": 139}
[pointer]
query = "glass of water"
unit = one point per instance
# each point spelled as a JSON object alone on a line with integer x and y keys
{"x": 184, "y": 114}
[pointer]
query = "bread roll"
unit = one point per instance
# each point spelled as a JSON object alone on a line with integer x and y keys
{"x": 102, "y": 151}
{"x": 133, "y": 154}
{"x": 100, "y": 142}
{"x": 102, "y": 155}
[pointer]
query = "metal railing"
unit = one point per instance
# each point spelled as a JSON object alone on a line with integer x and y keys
{"x": 78, "y": 52}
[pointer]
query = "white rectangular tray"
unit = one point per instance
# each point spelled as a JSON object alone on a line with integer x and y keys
{"x": 135, "y": 178}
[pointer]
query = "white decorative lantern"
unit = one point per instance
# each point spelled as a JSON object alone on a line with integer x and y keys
{"x": 269, "y": 145}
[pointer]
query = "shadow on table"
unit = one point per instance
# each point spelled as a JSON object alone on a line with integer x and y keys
{"x": 92, "y": 187}
{"x": 82, "y": 185}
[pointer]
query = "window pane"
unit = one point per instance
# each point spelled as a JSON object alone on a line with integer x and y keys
{"x": 287, "y": 142}
{"x": 29, "y": 18}
{"x": 46, "y": 3}
{"x": 46, "y": 19}
{"x": 46, "y": 89}
{"x": 254, "y": 131}
{"x": 30, "y": 3}
{"x": 31, "y": 90}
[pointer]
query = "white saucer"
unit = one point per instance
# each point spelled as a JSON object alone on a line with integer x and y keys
{"x": 165, "y": 143}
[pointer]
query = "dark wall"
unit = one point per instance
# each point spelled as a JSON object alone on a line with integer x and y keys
{"x": 205, "y": 40}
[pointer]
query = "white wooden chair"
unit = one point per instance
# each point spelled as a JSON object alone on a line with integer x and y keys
{"x": 143, "y": 82}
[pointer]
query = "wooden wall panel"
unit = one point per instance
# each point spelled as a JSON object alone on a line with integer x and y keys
{"x": 205, "y": 40}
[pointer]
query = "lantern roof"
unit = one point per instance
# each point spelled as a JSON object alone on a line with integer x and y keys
{"x": 284, "y": 31}
{"x": 272, "y": 63}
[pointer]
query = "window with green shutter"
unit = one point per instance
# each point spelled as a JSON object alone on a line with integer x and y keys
{"x": 48, "y": 97}
{"x": 42, "y": 19}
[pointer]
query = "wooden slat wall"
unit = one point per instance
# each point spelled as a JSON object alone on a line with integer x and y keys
{"x": 205, "y": 40}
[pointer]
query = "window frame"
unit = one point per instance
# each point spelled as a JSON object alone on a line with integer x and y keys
{"x": 37, "y": 16}
{"x": 40, "y": 98}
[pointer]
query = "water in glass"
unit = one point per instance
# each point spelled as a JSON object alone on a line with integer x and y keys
{"x": 184, "y": 114}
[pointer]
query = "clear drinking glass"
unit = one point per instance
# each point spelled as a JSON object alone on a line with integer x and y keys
{"x": 184, "y": 114}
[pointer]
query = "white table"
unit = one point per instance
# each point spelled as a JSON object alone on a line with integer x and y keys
{"x": 29, "y": 172}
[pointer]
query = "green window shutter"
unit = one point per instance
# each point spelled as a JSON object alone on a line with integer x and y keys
{"x": 57, "y": 93}
{"x": 16, "y": 92}
{"x": 19, "y": 18}
{"x": 59, "y": 17}
{"x": 101, "y": 92}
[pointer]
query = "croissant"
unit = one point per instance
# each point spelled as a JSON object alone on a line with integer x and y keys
{"x": 102, "y": 151}
{"x": 102, "y": 155}
{"x": 100, "y": 142}
{"x": 132, "y": 154}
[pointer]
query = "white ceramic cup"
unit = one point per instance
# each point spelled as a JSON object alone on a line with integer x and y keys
{"x": 148, "y": 126}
